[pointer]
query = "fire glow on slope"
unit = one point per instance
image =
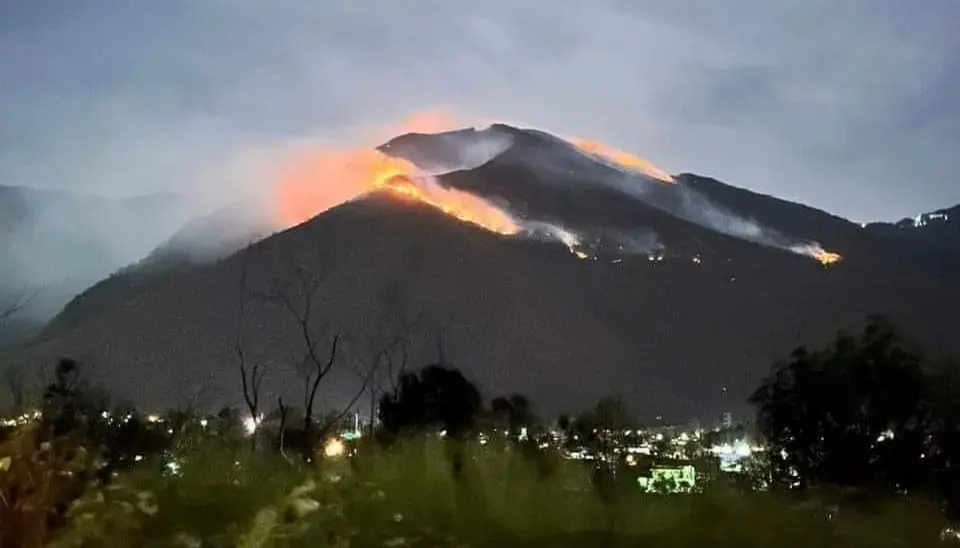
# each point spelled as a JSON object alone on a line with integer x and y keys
{"x": 816, "y": 251}
{"x": 330, "y": 177}
{"x": 462, "y": 205}
{"x": 621, "y": 158}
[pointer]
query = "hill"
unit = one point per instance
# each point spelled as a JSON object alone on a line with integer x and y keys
{"x": 199, "y": 242}
{"x": 65, "y": 241}
{"x": 682, "y": 296}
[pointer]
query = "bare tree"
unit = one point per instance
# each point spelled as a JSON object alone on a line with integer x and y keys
{"x": 15, "y": 306}
{"x": 314, "y": 362}
{"x": 283, "y": 426}
{"x": 318, "y": 355}
{"x": 251, "y": 375}
{"x": 386, "y": 352}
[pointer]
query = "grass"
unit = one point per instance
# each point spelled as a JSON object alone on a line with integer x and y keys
{"x": 406, "y": 496}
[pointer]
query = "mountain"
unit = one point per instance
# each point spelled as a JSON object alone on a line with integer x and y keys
{"x": 935, "y": 234}
{"x": 199, "y": 242}
{"x": 62, "y": 242}
{"x": 678, "y": 295}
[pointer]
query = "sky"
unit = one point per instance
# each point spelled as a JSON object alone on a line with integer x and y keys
{"x": 846, "y": 105}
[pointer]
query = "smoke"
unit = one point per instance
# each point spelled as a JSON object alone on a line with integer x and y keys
{"x": 57, "y": 243}
{"x": 592, "y": 162}
{"x": 595, "y": 241}
{"x": 469, "y": 153}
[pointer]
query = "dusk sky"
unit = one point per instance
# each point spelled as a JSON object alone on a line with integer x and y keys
{"x": 848, "y": 105}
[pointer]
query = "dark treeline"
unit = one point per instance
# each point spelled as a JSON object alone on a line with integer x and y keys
{"x": 869, "y": 414}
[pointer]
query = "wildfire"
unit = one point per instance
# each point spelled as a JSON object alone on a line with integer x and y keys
{"x": 816, "y": 251}
{"x": 462, "y": 205}
{"x": 827, "y": 258}
{"x": 330, "y": 177}
{"x": 621, "y": 157}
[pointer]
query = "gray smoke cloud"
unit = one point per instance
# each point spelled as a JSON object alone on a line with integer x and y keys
{"x": 697, "y": 208}
{"x": 566, "y": 162}
{"x": 595, "y": 240}
{"x": 469, "y": 153}
{"x": 56, "y": 243}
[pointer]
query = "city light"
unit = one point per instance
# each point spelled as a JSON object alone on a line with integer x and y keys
{"x": 250, "y": 424}
{"x": 334, "y": 448}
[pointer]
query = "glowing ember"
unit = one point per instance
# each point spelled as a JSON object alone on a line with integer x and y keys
{"x": 816, "y": 251}
{"x": 621, "y": 158}
{"x": 827, "y": 258}
{"x": 462, "y": 205}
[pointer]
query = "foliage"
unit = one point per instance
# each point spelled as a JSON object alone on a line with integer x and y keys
{"x": 436, "y": 396}
{"x": 38, "y": 480}
{"x": 866, "y": 412}
{"x": 402, "y": 496}
{"x": 512, "y": 413}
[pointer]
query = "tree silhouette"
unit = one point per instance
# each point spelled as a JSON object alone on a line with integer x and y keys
{"x": 942, "y": 456}
{"x": 512, "y": 413}
{"x": 852, "y": 414}
{"x": 435, "y": 397}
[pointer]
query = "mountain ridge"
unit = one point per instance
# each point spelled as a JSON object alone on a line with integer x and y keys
{"x": 685, "y": 329}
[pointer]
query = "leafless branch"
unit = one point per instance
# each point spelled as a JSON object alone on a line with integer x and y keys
{"x": 283, "y": 425}
{"x": 299, "y": 300}
{"x": 346, "y": 409}
{"x": 17, "y": 305}
{"x": 251, "y": 378}
{"x": 387, "y": 348}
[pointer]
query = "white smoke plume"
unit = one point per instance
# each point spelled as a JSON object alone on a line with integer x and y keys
{"x": 595, "y": 240}
{"x": 691, "y": 205}
{"x": 470, "y": 153}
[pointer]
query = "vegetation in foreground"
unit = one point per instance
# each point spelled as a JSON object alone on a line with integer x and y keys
{"x": 860, "y": 435}
{"x": 214, "y": 494}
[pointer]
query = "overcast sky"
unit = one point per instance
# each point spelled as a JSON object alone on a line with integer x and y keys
{"x": 848, "y": 105}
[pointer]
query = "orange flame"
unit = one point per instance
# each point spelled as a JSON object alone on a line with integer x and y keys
{"x": 827, "y": 258}
{"x": 621, "y": 157}
{"x": 330, "y": 177}
{"x": 462, "y": 205}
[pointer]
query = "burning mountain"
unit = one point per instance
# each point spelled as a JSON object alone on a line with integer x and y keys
{"x": 326, "y": 178}
{"x": 686, "y": 286}
{"x": 333, "y": 177}
{"x": 621, "y": 158}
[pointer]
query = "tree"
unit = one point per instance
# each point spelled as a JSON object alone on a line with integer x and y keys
{"x": 604, "y": 422}
{"x": 251, "y": 375}
{"x": 319, "y": 351}
{"x": 942, "y": 454}
{"x": 512, "y": 413}
{"x": 385, "y": 348}
{"x": 435, "y": 397}
{"x": 62, "y": 400}
{"x": 15, "y": 306}
{"x": 851, "y": 414}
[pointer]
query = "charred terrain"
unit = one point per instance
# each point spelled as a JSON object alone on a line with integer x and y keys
{"x": 678, "y": 295}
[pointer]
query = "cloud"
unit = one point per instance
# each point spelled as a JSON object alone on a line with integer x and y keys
{"x": 843, "y": 106}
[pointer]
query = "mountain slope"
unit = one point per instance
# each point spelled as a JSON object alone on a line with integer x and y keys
{"x": 935, "y": 235}
{"x": 64, "y": 241}
{"x": 517, "y": 314}
{"x": 670, "y": 326}
{"x": 199, "y": 242}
